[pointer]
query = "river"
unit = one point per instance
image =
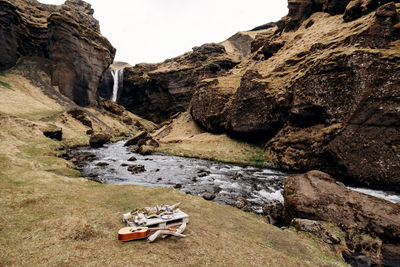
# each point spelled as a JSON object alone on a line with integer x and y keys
{"x": 227, "y": 182}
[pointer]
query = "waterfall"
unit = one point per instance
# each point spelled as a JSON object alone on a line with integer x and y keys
{"x": 117, "y": 74}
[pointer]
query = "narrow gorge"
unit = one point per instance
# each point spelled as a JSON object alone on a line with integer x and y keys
{"x": 282, "y": 142}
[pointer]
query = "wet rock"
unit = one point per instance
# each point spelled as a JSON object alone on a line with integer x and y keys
{"x": 53, "y": 132}
{"x": 134, "y": 169}
{"x": 241, "y": 202}
{"x": 98, "y": 140}
{"x": 209, "y": 196}
{"x": 358, "y": 259}
{"x": 177, "y": 186}
{"x": 124, "y": 165}
{"x": 159, "y": 179}
{"x": 236, "y": 176}
{"x": 146, "y": 150}
{"x": 134, "y": 139}
{"x": 132, "y": 158}
{"x": 316, "y": 195}
{"x": 203, "y": 174}
{"x": 102, "y": 164}
{"x": 273, "y": 210}
{"x": 194, "y": 179}
{"x": 315, "y": 228}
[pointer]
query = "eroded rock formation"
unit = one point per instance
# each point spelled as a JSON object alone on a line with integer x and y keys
{"x": 68, "y": 35}
{"x": 316, "y": 195}
{"x": 321, "y": 95}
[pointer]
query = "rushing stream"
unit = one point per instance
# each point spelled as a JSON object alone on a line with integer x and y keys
{"x": 195, "y": 176}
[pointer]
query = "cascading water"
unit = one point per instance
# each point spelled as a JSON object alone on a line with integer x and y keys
{"x": 117, "y": 74}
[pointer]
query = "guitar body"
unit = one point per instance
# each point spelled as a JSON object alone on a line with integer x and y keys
{"x": 132, "y": 233}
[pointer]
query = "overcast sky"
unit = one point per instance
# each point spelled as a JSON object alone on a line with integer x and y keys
{"x": 154, "y": 30}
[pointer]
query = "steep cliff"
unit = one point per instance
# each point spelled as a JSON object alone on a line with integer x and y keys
{"x": 157, "y": 91}
{"x": 67, "y": 35}
{"x": 319, "y": 89}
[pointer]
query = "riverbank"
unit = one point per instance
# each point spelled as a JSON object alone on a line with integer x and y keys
{"x": 52, "y": 216}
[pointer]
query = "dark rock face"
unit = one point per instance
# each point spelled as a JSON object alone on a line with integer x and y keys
{"x": 157, "y": 91}
{"x": 358, "y": 94}
{"x": 273, "y": 210}
{"x": 254, "y": 112}
{"x": 331, "y": 106}
{"x": 67, "y": 35}
{"x": 316, "y": 196}
{"x": 300, "y": 10}
{"x": 53, "y": 132}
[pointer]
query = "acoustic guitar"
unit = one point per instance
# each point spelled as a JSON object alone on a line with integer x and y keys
{"x": 133, "y": 233}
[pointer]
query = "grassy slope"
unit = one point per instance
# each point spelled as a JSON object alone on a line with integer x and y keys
{"x": 183, "y": 137}
{"x": 51, "y": 216}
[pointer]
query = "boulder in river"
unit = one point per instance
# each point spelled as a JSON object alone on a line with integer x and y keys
{"x": 316, "y": 195}
{"x": 134, "y": 139}
{"x": 134, "y": 169}
{"x": 208, "y": 196}
{"x": 273, "y": 210}
{"x": 132, "y": 158}
{"x": 98, "y": 140}
{"x": 146, "y": 150}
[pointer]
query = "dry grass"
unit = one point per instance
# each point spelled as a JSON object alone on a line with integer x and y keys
{"x": 50, "y": 216}
{"x": 184, "y": 138}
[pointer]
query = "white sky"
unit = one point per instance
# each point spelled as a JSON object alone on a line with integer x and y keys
{"x": 154, "y": 30}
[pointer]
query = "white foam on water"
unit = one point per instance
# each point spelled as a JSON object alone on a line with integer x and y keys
{"x": 277, "y": 195}
{"x": 389, "y": 196}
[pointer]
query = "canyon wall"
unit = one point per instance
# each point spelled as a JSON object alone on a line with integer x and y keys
{"x": 67, "y": 35}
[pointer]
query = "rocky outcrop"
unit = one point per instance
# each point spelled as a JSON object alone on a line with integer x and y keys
{"x": 52, "y": 131}
{"x": 316, "y": 196}
{"x": 157, "y": 91}
{"x": 319, "y": 97}
{"x": 300, "y": 10}
{"x": 98, "y": 140}
{"x": 67, "y": 35}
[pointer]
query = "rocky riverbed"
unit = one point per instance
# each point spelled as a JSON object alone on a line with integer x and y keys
{"x": 248, "y": 187}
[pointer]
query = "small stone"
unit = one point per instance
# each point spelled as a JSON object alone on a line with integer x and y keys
{"x": 194, "y": 179}
{"x": 236, "y": 176}
{"x": 145, "y": 150}
{"x": 203, "y": 174}
{"x": 124, "y": 165}
{"x": 208, "y": 196}
{"x": 102, "y": 164}
{"x": 159, "y": 179}
{"x": 177, "y": 186}
{"x": 240, "y": 203}
{"x": 156, "y": 170}
{"x": 136, "y": 169}
{"x": 132, "y": 158}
